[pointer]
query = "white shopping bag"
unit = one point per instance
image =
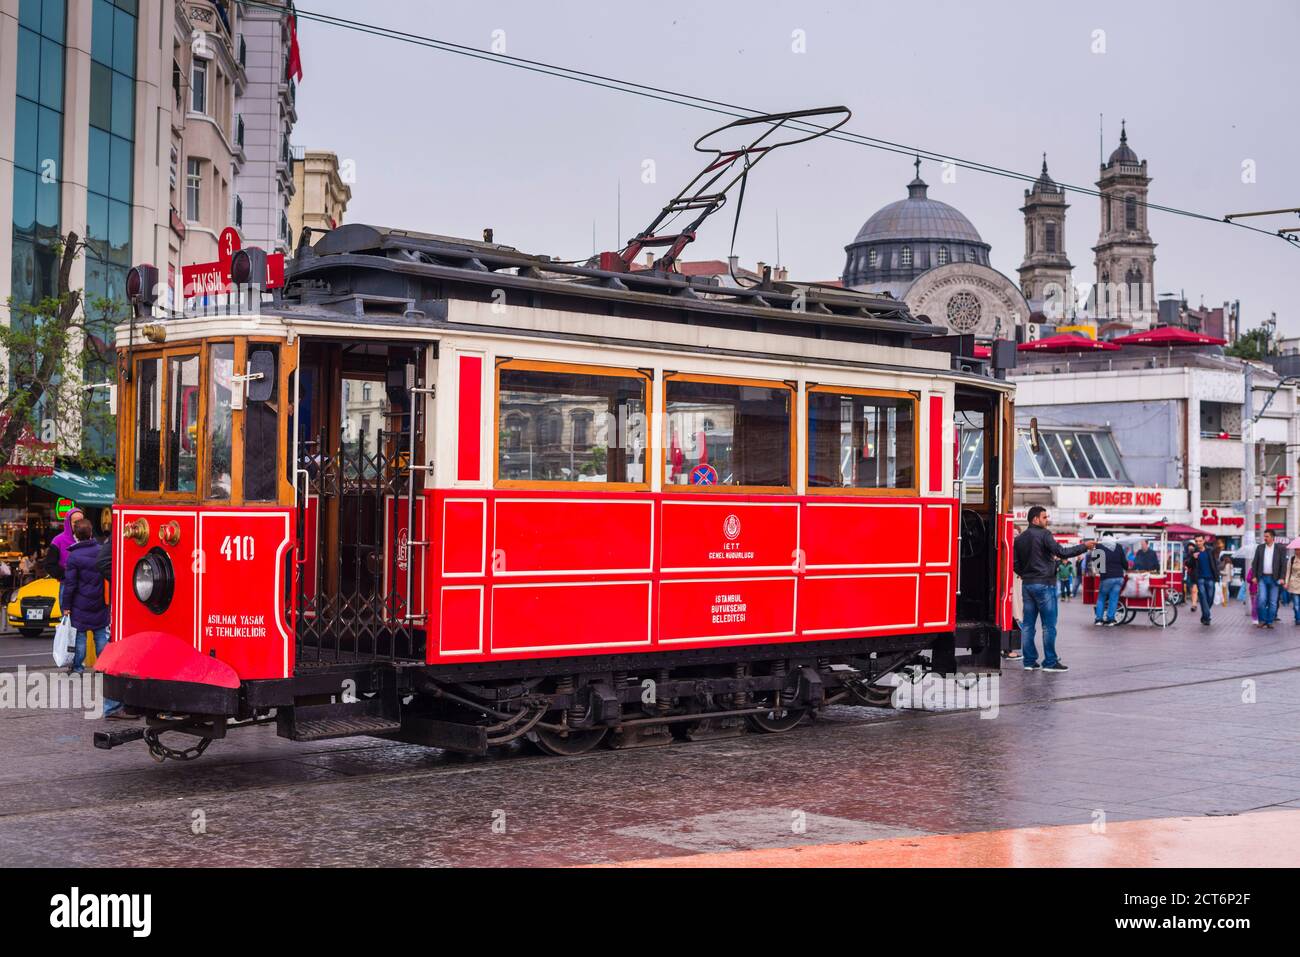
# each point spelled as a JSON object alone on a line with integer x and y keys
{"x": 65, "y": 642}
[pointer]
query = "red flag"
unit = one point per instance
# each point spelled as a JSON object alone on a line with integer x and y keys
{"x": 295, "y": 57}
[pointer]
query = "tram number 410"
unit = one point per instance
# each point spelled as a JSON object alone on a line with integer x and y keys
{"x": 237, "y": 548}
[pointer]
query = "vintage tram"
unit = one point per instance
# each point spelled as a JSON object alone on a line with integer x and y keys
{"x": 440, "y": 491}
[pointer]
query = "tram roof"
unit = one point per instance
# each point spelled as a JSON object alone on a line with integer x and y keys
{"x": 356, "y": 271}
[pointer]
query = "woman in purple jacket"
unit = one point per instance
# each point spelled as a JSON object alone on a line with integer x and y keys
{"x": 83, "y": 593}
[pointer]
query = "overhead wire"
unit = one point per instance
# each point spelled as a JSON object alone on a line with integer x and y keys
{"x": 724, "y": 108}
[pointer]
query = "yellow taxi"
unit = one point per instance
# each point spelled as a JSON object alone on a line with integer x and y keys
{"x": 34, "y": 609}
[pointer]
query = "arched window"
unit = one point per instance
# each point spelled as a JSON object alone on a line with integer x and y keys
{"x": 550, "y": 429}
{"x": 1133, "y": 280}
{"x": 970, "y": 254}
{"x": 1130, "y": 212}
{"x": 513, "y": 432}
{"x": 1051, "y": 237}
{"x": 906, "y": 257}
{"x": 873, "y": 258}
{"x": 1106, "y": 204}
{"x": 943, "y": 255}
{"x": 582, "y": 420}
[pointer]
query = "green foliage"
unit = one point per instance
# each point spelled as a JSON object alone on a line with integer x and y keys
{"x": 51, "y": 349}
{"x": 1252, "y": 344}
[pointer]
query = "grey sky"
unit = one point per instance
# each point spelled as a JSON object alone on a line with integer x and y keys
{"x": 447, "y": 144}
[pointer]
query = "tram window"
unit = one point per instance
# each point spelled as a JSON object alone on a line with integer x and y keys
{"x": 262, "y": 428}
{"x": 148, "y": 424}
{"x": 182, "y": 423}
{"x": 221, "y": 366}
{"x": 859, "y": 440}
{"x": 589, "y": 426}
{"x": 740, "y": 431}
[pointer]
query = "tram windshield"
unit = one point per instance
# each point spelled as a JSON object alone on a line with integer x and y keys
{"x": 193, "y": 430}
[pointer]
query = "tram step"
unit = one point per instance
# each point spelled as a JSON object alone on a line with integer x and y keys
{"x": 342, "y": 720}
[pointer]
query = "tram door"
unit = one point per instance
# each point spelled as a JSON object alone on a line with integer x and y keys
{"x": 979, "y": 464}
{"x": 358, "y": 431}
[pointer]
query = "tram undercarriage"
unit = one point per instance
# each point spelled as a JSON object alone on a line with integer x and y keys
{"x": 632, "y": 701}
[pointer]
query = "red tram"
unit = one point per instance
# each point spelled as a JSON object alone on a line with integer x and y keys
{"x": 444, "y": 492}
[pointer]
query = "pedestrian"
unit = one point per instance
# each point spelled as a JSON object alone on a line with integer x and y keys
{"x": 1269, "y": 565}
{"x": 1252, "y": 588}
{"x": 1078, "y": 575}
{"x": 1035, "y": 551}
{"x": 56, "y": 556}
{"x": 1292, "y": 584}
{"x": 83, "y": 591}
{"x": 1205, "y": 561}
{"x": 1145, "y": 558}
{"x": 1190, "y": 575}
{"x": 6, "y": 582}
{"x": 1109, "y": 561}
{"x": 1065, "y": 576}
{"x": 1225, "y": 578}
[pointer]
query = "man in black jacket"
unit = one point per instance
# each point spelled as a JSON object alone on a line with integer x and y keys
{"x": 1036, "y": 553}
{"x": 1269, "y": 565}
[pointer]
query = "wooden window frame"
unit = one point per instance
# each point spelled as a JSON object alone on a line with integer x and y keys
{"x": 720, "y": 489}
{"x": 538, "y": 365}
{"x": 127, "y": 491}
{"x": 911, "y": 491}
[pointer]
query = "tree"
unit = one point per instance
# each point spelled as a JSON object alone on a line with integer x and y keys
{"x": 50, "y": 346}
{"x": 1252, "y": 344}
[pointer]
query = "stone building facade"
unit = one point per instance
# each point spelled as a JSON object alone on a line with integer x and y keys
{"x": 1046, "y": 272}
{"x": 1125, "y": 255}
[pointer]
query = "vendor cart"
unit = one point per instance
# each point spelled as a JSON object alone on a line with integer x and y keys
{"x": 1158, "y": 592}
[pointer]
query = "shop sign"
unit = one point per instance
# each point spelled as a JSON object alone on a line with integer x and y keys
{"x": 1101, "y": 497}
{"x": 1217, "y": 517}
{"x": 63, "y": 506}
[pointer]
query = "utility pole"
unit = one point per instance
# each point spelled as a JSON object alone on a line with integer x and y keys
{"x": 1248, "y": 444}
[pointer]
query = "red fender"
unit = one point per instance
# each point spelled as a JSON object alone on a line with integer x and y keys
{"x": 164, "y": 657}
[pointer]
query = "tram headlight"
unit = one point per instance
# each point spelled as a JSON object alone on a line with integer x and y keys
{"x": 153, "y": 581}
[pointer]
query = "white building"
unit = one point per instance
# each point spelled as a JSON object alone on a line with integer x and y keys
{"x": 1175, "y": 421}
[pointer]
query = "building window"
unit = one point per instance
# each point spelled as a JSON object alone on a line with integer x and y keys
{"x": 1051, "y": 237}
{"x": 199, "y": 86}
{"x": 285, "y": 237}
{"x": 861, "y": 440}
{"x": 613, "y": 403}
{"x": 239, "y": 213}
{"x": 582, "y": 420}
{"x": 873, "y": 258}
{"x": 750, "y": 442}
{"x": 905, "y": 258}
{"x": 943, "y": 255}
{"x": 193, "y": 187}
{"x": 1130, "y": 212}
{"x": 970, "y": 254}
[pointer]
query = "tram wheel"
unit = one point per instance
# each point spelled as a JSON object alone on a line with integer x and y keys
{"x": 566, "y": 743}
{"x": 776, "y": 720}
{"x": 872, "y": 696}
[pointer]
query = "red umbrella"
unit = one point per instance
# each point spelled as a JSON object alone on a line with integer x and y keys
{"x": 1066, "y": 342}
{"x": 983, "y": 352}
{"x": 1163, "y": 337}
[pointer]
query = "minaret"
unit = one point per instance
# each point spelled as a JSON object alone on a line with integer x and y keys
{"x": 1045, "y": 275}
{"x": 1125, "y": 255}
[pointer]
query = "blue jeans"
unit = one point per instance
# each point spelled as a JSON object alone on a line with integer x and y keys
{"x": 79, "y": 659}
{"x": 1039, "y": 601}
{"x": 1108, "y": 598}
{"x": 1267, "y": 599}
{"x": 1205, "y": 595}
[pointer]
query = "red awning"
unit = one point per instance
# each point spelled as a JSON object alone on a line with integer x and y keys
{"x": 1067, "y": 342}
{"x": 983, "y": 352}
{"x": 1167, "y": 336}
{"x": 1185, "y": 531}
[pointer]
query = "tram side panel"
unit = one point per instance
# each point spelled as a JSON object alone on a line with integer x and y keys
{"x": 553, "y": 574}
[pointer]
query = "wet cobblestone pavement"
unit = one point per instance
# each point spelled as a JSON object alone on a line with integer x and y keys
{"x": 1190, "y": 722}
